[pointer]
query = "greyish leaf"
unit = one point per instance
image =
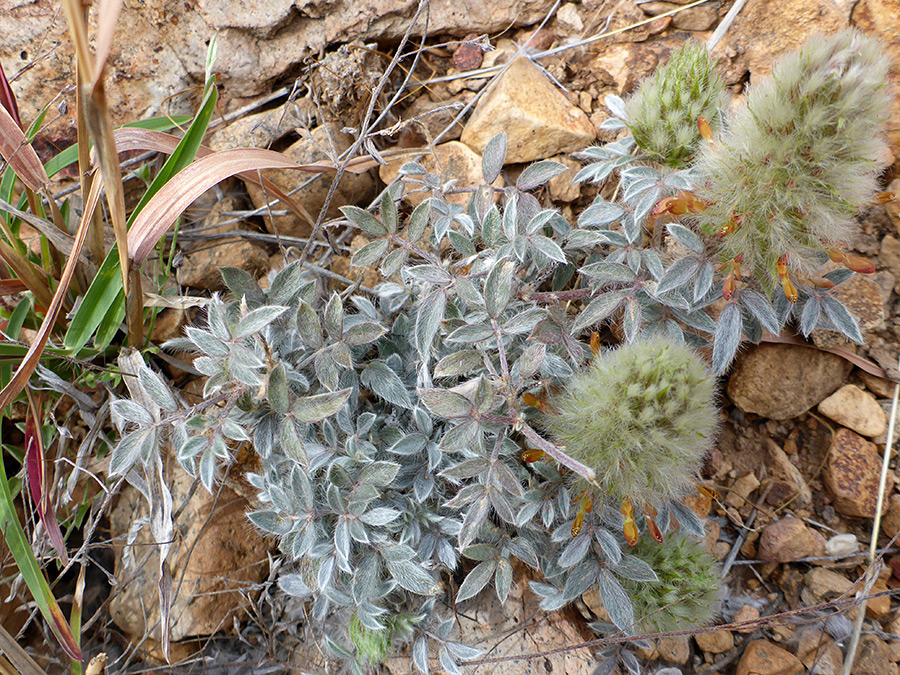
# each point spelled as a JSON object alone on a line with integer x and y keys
{"x": 445, "y": 403}
{"x": 428, "y": 320}
{"x": 447, "y": 662}
{"x": 842, "y": 319}
{"x": 809, "y": 317}
{"x": 503, "y": 580}
{"x": 464, "y": 652}
{"x": 538, "y": 173}
{"x": 379, "y": 474}
{"x": 548, "y": 247}
{"x": 287, "y": 284}
{"x": 680, "y": 273}
{"x": 389, "y": 212}
{"x": 420, "y": 655}
{"x": 473, "y": 520}
{"x": 137, "y": 445}
{"x": 608, "y": 273}
{"x": 685, "y": 237}
{"x": 498, "y": 286}
{"x": 293, "y": 584}
{"x": 727, "y": 338}
{"x": 531, "y": 360}
{"x": 431, "y": 274}
{"x": 418, "y": 221}
{"x": 493, "y": 158}
{"x": 601, "y": 307}
{"x": 364, "y": 220}
{"x": 616, "y": 601}
{"x": 380, "y": 516}
{"x": 635, "y": 569}
{"x": 334, "y": 317}
{"x": 460, "y": 436}
{"x": 131, "y": 412}
{"x": 258, "y": 319}
{"x": 384, "y": 382}
{"x": 317, "y": 408}
{"x": 615, "y": 105}
{"x": 370, "y": 254}
{"x": 458, "y": 363}
{"x": 476, "y": 580}
{"x": 411, "y": 577}
{"x": 760, "y": 308}
{"x": 600, "y": 213}
{"x": 363, "y": 333}
{"x": 393, "y": 261}
{"x": 308, "y": 325}
{"x": 242, "y": 285}
{"x": 575, "y": 551}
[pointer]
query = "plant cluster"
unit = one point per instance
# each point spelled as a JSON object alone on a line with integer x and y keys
{"x": 456, "y": 419}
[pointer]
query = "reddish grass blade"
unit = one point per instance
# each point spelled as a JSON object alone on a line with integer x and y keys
{"x": 8, "y": 98}
{"x": 11, "y": 286}
{"x": 17, "y": 151}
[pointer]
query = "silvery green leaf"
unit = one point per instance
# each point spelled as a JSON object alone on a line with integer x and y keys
{"x": 616, "y": 601}
{"x": 207, "y": 470}
{"x": 510, "y": 220}
{"x": 462, "y": 243}
{"x": 334, "y": 317}
{"x": 689, "y": 521}
{"x": 279, "y": 394}
{"x": 632, "y": 319}
{"x": 476, "y": 580}
{"x": 389, "y": 212}
{"x": 612, "y": 124}
{"x": 410, "y": 444}
{"x": 418, "y": 221}
{"x": 363, "y": 333}
{"x": 317, "y": 408}
{"x": 234, "y": 431}
{"x": 610, "y": 546}
{"x": 379, "y": 473}
{"x": 257, "y": 319}
{"x": 342, "y": 545}
{"x": 631, "y": 662}
{"x": 464, "y": 652}
{"x": 364, "y": 220}
{"x": 697, "y": 320}
{"x": 615, "y": 105}
{"x": 206, "y": 342}
{"x": 420, "y": 655}
{"x": 379, "y": 516}
{"x": 585, "y": 239}
{"x": 412, "y": 169}
{"x": 646, "y": 204}
{"x": 293, "y": 584}
{"x": 540, "y": 221}
{"x": 370, "y": 254}
{"x": 704, "y": 281}
{"x": 759, "y": 307}
{"x": 595, "y": 172}
{"x": 842, "y": 319}
{"x": 458, "y": 363}
{"x": 601, "y": 307}
{"x": 635, "y": 569}
{"x": 131, "y": 412}
{"x": 471, "y": 333}
{"x": 608, "y": 665}
{"x": 680, "y": 180}
{"x": 338, "y": 650}
{"x": 548, "y": 247}
{"x": 242, "y": 285}
{"x": 384, "y": 382}
{"x": 475, "y": 517}
{"x": 839, "y": 276}
{"x": 393, "y": 261}
{"x": 531, "y": 360}
{"x": 431, "y": 274}
{"x": 447, "y": 662}
{"x": 606, "y": 273}
{"x": 286, "y": 285}
{"x": 428, "y": 320}
{"x": 727, "y": 337}
{"x": 520, "y": 247}
{"x": 411, "y": 577}
{"x": 466, "y": 469}
{"x": 502, "y": 582}
{"x": 498, "y": 287}
{"x": 524, "y": 322}
{"x": 679, "y": 274}
{"x": 326, "y": 370}
{"x": 809, "y": 317}
{"x": 538, "y": 173}
{"x": 445, "y": 403}
{"x": 138, "y": 445}
{"x": 669, "y": 671}
{"x": 685, "y": 237}
{"x": 269, "y": 521}
{"x": 493, "y": 158}
{"x": 652, "y": 263}
{"x": 574, "y": 551}
{"x": 484, "y": 396}
{"x": 460, "y": 436}
{"x": 600, "y": 213}
{"x": 308, "y": 325}
{"x": 490, "y": 227}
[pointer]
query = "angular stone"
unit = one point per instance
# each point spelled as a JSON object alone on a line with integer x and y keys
{"x": 200, "y": 269}
{"x": 855, "y": 409}
{"x": 260, "y": 130}
{"x": 880, "y": 607}
{"x": 823, "y": 585}
{"x": 893, "y": 207}
{"x": 674, "y": 649}
{"x": 890, "y": 521}
{"x": 745, "y": 614}
{"x": 786, "y": 481}
{"x": 538, "y": 119}
{"x": 788, "y": 539}
{"x": 873, "y": 657}
{"x": 781, "y": 381}
{"x": 716, "y": 642}
{"x": 817, "y": 650}
{"x": 881, "y": 387}
{"x": 561, "y": 187}
{"x": 761, "y": 657}
{"x": 852, "y": 473}
{"x": 453, "y": 160}
{"x": 216, "y": 556}
{"x": 696, "y": 18}
{"x": 743, "y": 487}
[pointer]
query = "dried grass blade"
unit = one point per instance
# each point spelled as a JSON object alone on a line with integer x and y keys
{"x": 108, "y": 17}
{"x": 18, "y": 656}
{"x": 186, "y": 186}
{"x": 17, "y": 151}
{"x": 27, "y": 272}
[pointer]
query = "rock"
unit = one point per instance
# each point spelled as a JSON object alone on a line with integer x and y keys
{"x": 674, "y": 649}
{"x": 168, "y": 324}
{"x": 657, "y": 7}
{"x": 879, "y": 19}
{"x": 786, "y": 481}
{"x": 262, "y": 129}
{"x": 745, "y": 614}
{"x": 781, "y": 381}
{"x": 893, "y": 207}
{"x": 452, "y": 160}
{"x": 432, "y": 118}
{"x": 823, "y": 585}
{"x": 855, "y": 409}
{"x": 862, "y": 296}
{"x": 852, "y": 474}
{"x": 890, "y": 521}
{"x": 873, "y": 657}
{"x": 761, "y": 657}
{"x": 569, "y": 18}
{"x": 316, "y": 146}
{"x": 716, "y": 642}
{"x": 819, "y": 653}
{"x": 741, "y": 490}
{"x": 766, "y": 30}
{"x": 216, "y": 558}
{"x": 788, "y": 539}
{"x": 561, "y": 188}
{"x": 879, "y": 386}
{"x": 200, "y": 269}
{"x": 880, "y": 607}
{"x": 696, "y": 18}
{"x": 842, "y": 544}
{"x": 881, "y": 439}
{"x": 539, "y": 121}
{"x": 624, "y": 65}
{"x": 342, "y": 80}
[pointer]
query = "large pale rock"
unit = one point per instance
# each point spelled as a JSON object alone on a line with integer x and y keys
{"x": 855, "y": 409}
{"x": 200, "y": 269}
{"x": 824, "y": 585}
{"x": 216, "y": 560}
{"x": 761, "y": 657}
{"x": 788, "y": 539}
{"x": 538, "y": 120}
{"x": 781, "y": 381}
{"x": 317, "y": 145}
{"x": 880, "y": 19}
{"x": 852, "y": 474}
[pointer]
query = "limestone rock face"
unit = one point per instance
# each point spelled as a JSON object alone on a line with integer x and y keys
{"x": 538, "y": 120}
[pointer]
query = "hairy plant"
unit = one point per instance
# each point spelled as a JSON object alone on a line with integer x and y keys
{"x": 796, "y": 164}
{"x": 663, "y": 113}
{"x": 642, "y": 416}
{"x": 399, "y": 431}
